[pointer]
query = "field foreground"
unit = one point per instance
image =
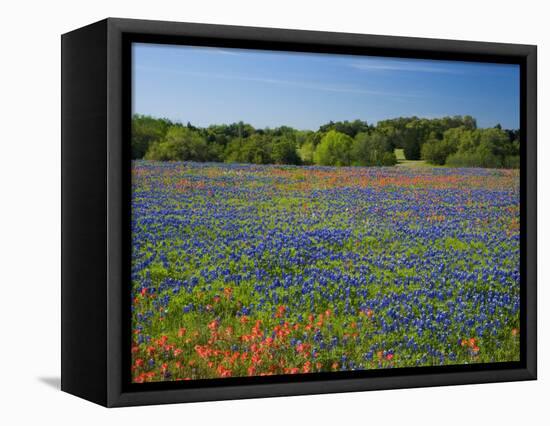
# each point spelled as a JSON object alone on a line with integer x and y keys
{"x": 244, "y": 270}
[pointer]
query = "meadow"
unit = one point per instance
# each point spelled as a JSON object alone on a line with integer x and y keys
{"x": 249, "y": 270}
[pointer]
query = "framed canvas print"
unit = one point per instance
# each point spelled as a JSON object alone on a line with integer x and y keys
{"x": 252, "y": 212}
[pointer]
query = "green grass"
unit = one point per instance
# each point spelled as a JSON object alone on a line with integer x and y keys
{"x": 403, "y": 162}
{"x": 400, "y": 154}
{"x": 414, "y": 163}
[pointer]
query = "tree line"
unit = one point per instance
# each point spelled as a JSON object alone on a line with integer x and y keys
{"x": 454, "y": 141}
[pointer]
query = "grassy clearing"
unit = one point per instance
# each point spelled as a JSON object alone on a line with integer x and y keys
{"x": 403, "y": 162}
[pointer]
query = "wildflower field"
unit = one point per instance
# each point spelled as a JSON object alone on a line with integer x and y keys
{"x": 247, "y": 270}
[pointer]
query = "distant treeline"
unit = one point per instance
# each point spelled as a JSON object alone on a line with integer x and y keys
{"x": 454, "y": 141}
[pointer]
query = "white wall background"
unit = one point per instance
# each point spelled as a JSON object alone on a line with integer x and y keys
{"x": 30, "y": 211}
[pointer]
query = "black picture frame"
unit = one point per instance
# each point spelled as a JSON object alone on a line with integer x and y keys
{"x": 96, "y": 110}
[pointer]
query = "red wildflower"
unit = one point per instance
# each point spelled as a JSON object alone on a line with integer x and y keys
{"x": 224, "y": 372}
{"x": 213, "y": 325}
{"x": 280, "y": 311}
{"x": 203, "y": 351}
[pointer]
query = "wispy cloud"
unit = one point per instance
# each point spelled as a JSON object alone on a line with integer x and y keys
{"x": 219, "y": 51}
{"x": 182, "y": 51}
{"x": 299, "y": 84}
{"x": 404, "y": 66}
{"x": 327, "y": 87}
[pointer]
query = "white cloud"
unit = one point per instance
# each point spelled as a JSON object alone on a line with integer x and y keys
{"x": 403, "y": 66}
{"x": 325, "y": 87}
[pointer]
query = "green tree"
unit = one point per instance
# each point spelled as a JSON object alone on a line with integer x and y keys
{"x": 416, "y": 133}
{"x": 240, "y": 130}
{"x": 232, "y": 153}
{"x": 180, "y": 144}
{"x": 350, "y": 128}
{"x": 253, "y": 149}
{"x": 373, "y": 149}
{"x": 145, "y": 131}
{"x": 284, "y": 151}
{"x": 410, "y": 133}
{"x": 483, "y": 148}
{"x": 436, "y": 151}
{"x": 469, "y": 122}
{"x": 453, "y": 140}
{"x": 498, "y": 141}
{"x": 306, "y": 152}
{"x": 334, "y": 150}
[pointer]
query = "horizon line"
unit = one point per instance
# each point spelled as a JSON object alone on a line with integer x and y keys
{"x": 369, "y": 123}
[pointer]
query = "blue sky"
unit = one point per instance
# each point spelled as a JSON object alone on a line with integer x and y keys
{"x": 205, "y": 85}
